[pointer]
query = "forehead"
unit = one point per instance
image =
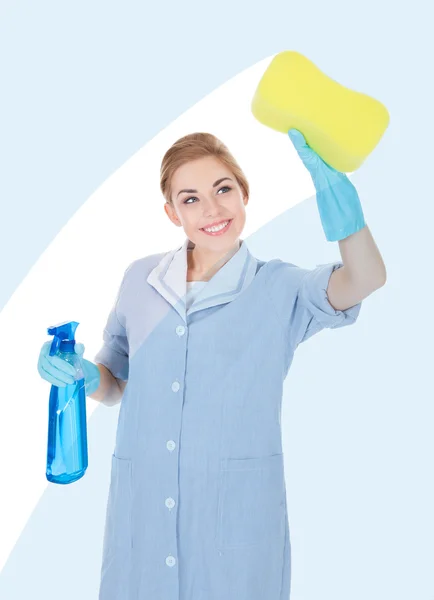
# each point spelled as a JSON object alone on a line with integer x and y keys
{"x": 200, "y": 171}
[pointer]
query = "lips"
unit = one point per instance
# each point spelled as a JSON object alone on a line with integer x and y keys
{"x": 220, "y": 231}
{"x": 216, "y": 223}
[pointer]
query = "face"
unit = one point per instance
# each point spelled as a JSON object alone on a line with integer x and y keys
{"x": 206, "y": 193}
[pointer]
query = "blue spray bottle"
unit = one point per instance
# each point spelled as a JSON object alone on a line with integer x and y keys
{"x": 67, "y": 458}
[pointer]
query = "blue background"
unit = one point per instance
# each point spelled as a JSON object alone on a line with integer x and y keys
{"x": 84, "y": 86}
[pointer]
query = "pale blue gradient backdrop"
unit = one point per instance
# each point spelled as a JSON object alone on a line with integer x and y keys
{"x": 84, "y": 87}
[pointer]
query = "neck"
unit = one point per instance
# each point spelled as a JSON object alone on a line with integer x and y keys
{"x": 204, "y": 263}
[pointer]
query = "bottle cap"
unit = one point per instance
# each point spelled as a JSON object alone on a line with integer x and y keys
{"x": 62, "y": 331}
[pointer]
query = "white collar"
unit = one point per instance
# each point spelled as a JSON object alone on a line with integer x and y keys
{"x": 169, "y": 279}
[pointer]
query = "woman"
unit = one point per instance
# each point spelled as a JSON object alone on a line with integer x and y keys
{"x": 198, "y": 344}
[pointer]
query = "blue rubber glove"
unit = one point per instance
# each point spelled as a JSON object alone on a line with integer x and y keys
{"x": 337, "y": 199}
{"x": 61, "y": 373}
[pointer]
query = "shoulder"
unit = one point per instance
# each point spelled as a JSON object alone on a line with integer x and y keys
{"x": 137, "y": 271}
{"x": 281, "y": 272}
{"x": 144, "y": 265}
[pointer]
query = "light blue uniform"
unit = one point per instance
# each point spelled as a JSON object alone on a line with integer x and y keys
{"x": 197, "y": 501}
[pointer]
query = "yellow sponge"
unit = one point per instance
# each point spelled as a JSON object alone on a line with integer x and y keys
{"x": 341, "y": 125}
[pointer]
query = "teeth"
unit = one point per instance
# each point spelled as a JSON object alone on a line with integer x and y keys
{"x": 217, "y": 228}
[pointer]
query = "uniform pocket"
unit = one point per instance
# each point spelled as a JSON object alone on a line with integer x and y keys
{"x": 118, "y": 540}
{"x": 251, "y": 503}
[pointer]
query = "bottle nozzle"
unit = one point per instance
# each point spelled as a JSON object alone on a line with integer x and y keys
{"x": 62, "y": 331}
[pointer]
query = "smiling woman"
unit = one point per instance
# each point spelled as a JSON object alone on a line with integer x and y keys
{"x": 214, "y": 218}
{"x": 198, "y": 460}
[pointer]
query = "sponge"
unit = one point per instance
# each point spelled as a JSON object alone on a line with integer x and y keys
{"x": 341, "y": 125}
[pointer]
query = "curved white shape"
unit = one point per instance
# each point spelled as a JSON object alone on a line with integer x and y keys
{"x": 123, "y": 219}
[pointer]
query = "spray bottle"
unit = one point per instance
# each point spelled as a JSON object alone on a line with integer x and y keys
{"x": 67, "y": 457}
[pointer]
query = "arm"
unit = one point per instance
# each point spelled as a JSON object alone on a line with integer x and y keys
{"x": 110, "y": 389}
{"x": 363, "y": 271}
{"x": 341, "y": 213}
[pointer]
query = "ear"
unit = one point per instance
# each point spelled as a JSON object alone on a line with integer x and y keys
{"x": 171, "y": 213}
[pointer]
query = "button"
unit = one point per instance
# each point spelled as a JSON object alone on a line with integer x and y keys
{"x": 175, "y": 386}
{"x": 170, "y": 561}
{"x": 171, "y": 445}
{"x": 170, "y": 503}
{"x": 180, "y": 330}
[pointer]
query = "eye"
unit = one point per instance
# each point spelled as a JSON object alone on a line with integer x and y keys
{"x": 225, "y": 187}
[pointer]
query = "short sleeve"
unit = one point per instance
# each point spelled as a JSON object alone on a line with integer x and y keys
{"x": 114, "y": 352}
{"x": 314, "y": 301}
{"x": 300, "y": 299}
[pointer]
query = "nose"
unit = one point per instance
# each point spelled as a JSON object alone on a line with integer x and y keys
{"x": 211, "y": 207}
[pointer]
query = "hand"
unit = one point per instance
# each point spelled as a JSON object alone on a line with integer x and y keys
{"x": 54, "y": 369}
{"x": 337, "y": 199}
{"x": 61, "y": 373}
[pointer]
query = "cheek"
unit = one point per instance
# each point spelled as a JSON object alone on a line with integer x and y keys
{"x": 241, "y": 216}
{"x": 240, "y": 208}
{"x": 188, "y": 216}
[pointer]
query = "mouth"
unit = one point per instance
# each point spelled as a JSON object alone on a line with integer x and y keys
{"x": 218, "y": 229}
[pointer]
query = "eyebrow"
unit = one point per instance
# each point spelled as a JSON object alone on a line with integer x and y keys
{"x": 213, "y": 185}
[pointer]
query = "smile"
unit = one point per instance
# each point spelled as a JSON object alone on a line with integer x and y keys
{"x": 218, "y": 229}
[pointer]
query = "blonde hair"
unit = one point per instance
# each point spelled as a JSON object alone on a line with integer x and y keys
{"x": 194, "y": 146}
